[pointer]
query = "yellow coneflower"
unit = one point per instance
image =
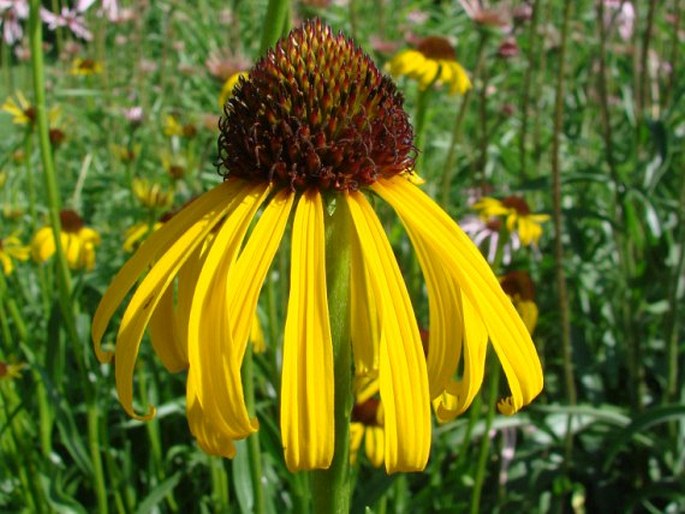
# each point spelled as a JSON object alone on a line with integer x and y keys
{"x": 11, "y": 370}
{"x": 432, "y": 61}
{"x": 174, "y": 128}
{"x": 126, "y": 154}
{"x": 151, "y": 194}
{"x": 78, "y": 242}
{"x": 518, "y": 216}
{"x": 24, "y": 113}
{"x": 137, "y": 233}
{"x": 367, "y": 422}
{"x": 519, "y": 286}
{"x": 81, "y": 66}
{"x": 11, "y": 248}
{"x": 174, "y": 164}
{"x": 315, "y": 126}
{"x": 228, "y": 86}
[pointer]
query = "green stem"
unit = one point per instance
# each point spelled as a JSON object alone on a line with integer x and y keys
{"x": 275, "y": 21}
{"x": 331, "y": 487}
{"x": 448, "y": 168}
{"x": 562, "y": 293}
{"x": 30, "y": 184}
{"x": 219, "y": 484}
{"x": 531, "y": 58}
{"x": 420, "y": 122}
{"x": 63, "y": 275}
{"x": 253, "y": 449}
{"x": 6, "y": 67}
{"x": 672, "y": 321}
{"x": 484, "y": 449}
{"x": 51, "y": 188}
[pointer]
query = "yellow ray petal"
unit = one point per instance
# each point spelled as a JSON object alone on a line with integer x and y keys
{"x": 246, "y": 277}
{"x": 402, "y": 369}
{"x": 169, "y": 324}
{"x": 374, "y": 445}
{"x": 211, "y": 440}
{"x": 307, "y": 400}
{"x": 150, "y": 249}
{"x": 445, "y": 319}
{"x": 147, "y": 296}
{"x": 363, "y": 317}
{"x": 216, "y": 375}
{"x": 460, "y": 393}
{"x": 455, "y": 251}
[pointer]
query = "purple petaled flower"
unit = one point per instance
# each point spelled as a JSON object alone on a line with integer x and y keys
{"x": 69, "y": 18}
{"x": 109, "y": 8}
{"x": 622, "y": 13}
{"x": 486, "y": 236}
{"x": 11, "y": 11}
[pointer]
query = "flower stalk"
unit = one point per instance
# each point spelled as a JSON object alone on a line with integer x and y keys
{"x": 562, "y": 292}
{"x": 331, "y": 487}
{"x": 448, "y": 168}
{"x": 63, "y": 275}
{"x": 276, "y": 23}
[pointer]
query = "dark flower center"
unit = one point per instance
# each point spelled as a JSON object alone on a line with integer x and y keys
{"x": 315, "y": 112}
{"x": 70, "y": 221}
{"x": 366, "y": 412}
{"x": 518, "y": 283}
{"x": 518, "y": 204}
{"x": 436, "y": 48}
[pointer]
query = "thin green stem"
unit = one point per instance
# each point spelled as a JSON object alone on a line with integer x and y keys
{"x": 51, "y": 188}
{"x": 63, "y": 275}
{"x": 253, "y": 449}
{"x": 562, "y": 293}
{"x": 448, "y": 168}
{"x": 420, "y": 121}
{"x": 275, "y": 20}
{"x": 219, "y": 480}
{"x": 331, "y": 487}
{"x": 531, "y": 58}
{"x": 484, "y": 449}
{"x": 672, "y": 320}
{"x": 644, "y": 72}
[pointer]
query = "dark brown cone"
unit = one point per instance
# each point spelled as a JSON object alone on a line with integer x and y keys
{"x": 315, "y": 112}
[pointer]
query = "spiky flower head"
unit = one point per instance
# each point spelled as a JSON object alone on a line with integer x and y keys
{"x": 315, "y": 112}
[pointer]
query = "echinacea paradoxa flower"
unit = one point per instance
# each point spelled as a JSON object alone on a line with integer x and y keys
{"x": 518, "y": 216}
{"x": 10, "y": 249}
{"x": 78, "y": 241}
{"x": 313, "y": 133}
{"x": 433, "y": 61}
{"x": 367, "y": 422}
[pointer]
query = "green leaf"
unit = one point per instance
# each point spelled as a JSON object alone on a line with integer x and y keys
{"x": 242, "y": 481}
{"x": 642, "y": 423}
{"x": 158, "y": 494}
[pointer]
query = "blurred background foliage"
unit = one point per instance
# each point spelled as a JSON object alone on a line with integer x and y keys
{"x": 576, "y": 106}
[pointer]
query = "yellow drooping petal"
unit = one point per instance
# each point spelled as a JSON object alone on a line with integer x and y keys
{"x": 374, "y": 445}
{"x": 307, "y": 399}
{"x": 246, "y": 277}
{"x": 402, "y": 365}
{"x": 149, "y": 293}
{"x": 356, "y": 437}
{"x": 363, "y": 317}
{"x": 151, "y": 249}
{"x": 459, "y": 256}
{"x": 169, "y": 323}
{"x": 43, "y": 245}
{"x": 208, "y": 438}
{"x": 215, "y": 369}
{"x": 445, "y": 319}
{"x": 459, "y": 394}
